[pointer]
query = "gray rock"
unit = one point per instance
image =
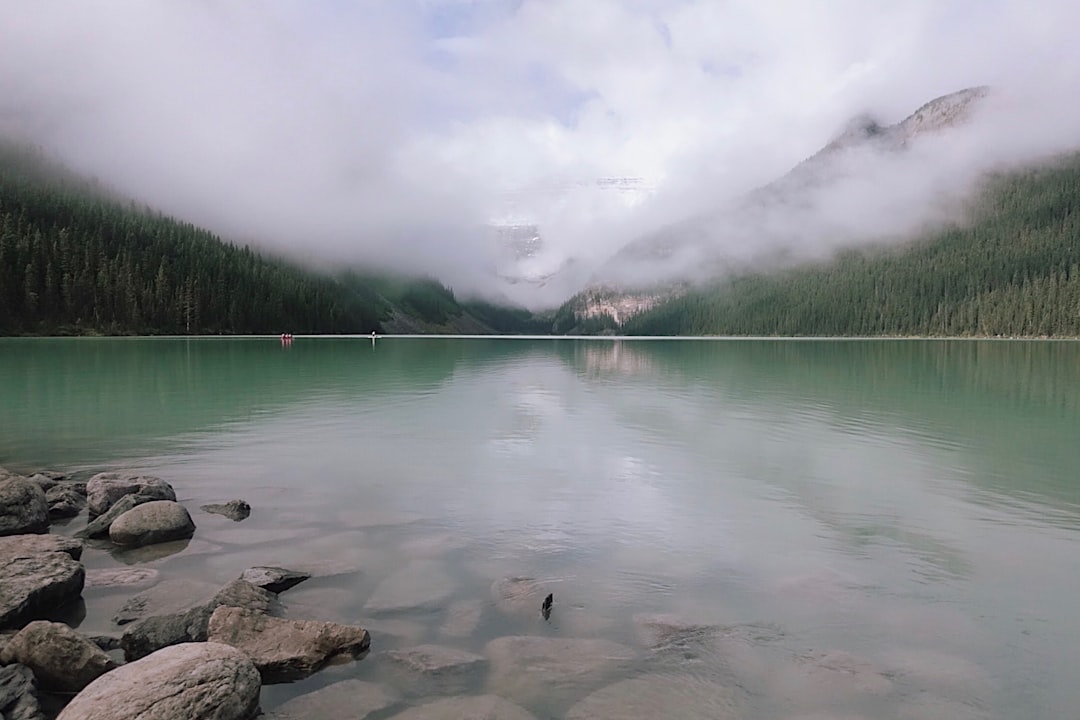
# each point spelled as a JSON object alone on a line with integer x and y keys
{"x": 285, "y": 650}
{"x": 420, "y": 585}
{"x": 23, "y": 508}
{"x": 165, "y": 598}
{"x": 190, "y": 624}
{"x": 236, "y": 510}
{"x": 43, "y": 481}
{"x": 64, "y": 501}
{"x": 99, "y": 526}
{"x": 345, "y": 700}
{"x": 29, "y": 545}
{"x": 194, "y": 681}
{"x": 33, "y": 584}
{"x": 518, "y": 596}
{"x": 104, "y": 489}
{"x": 62, "y": 659}
{"x": 661, "y": 696}
{"x": 121, "y": 577}
{"x": 150, "y": 523}
{"x": 462, "y": 618}
{"x": 108, "y": 643}
{"x": 274, "y": 579}
{"x": 525, "y": 668}
{"x": 476, "y": 707}
{"x": 436, "y": 670}
{"x": 18, "y": 696}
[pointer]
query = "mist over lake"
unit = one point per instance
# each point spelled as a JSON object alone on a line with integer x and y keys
{"x": 874, "y": 528}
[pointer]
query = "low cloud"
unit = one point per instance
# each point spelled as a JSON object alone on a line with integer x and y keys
{"x": 392, "y": 133}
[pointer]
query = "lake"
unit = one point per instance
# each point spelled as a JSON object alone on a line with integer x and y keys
{"x": 829, "y": 528}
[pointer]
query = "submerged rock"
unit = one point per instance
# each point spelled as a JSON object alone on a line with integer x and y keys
{"x": 476, "y": 707}
{"x": 236, "y": 510}
{"x": 351, "y": 699}
{"x": 32, "y": 584}
{"x": 194, "y": 681}
{"x": 18, "y": 695}
{"x": 527, "y": 668}
{"x": 436, "y": 669}
{"x": 122, "y": 577}
{"x": 104, "y": 489}
{"x": 420, "y": 585}
{"x": 23, "y": 508}
{"x": 285, "y": 650}
{"x": 274, "y": 579}
{"x": 518, "y": 596}
{"x": 150, "y": 523}
{"x": 823, "y": 680}
{"x": 62, "y": 660}
{"x": 672, "y": 697}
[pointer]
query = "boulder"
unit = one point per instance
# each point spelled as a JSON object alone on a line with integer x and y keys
{"x": 45, "y": 482}
{"x": 150, "y": 523}
{"x": 18, "y": 696}
{"x": 235, "y": 510}
{"x": 526, "y": 668}
{"x": 194, "y": 681}
{"x": 64, "y": 501}
{"x": 31, "y": 584}
{"x": 99, "y": 526}
{"x": 476, "y": 707}
{"x": 28, "y": 545}
{"x": 62, "y": 659}
{"x": 345, "y": 700}
{"x": 274, "y": 579}
{"x": 190, "y": 624}
{"x": 436, "y": 670}
{"x": 104, "y": 489}
{"x": 23, "y": 508}
{"x": 660, "y": 696}
{"x": 285, "y": 650}
{"x": 420, "y": 585}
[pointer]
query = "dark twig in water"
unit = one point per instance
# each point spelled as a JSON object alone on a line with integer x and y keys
{"x": 545, "y": 609}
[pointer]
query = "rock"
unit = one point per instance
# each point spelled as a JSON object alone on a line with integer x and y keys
{"x": 121, "y": 577}
{"x": 440, "y": 670}
{"x": 462, "y": 619}
{"x": 190, "y": 625}
{"x": 28, "y": 545}
{"x": 99, "y": 526}
{"x": 106, "y": 488}
{"x": 274, "y": 579}
{"x": 476, "y": 707}
{"x": 18, "y": 697}
{"x": 43, "y": 481}
{"x": 345, "y": 700}
{"x": 526, "y": 668}
{"x": 64, "y": 501}
{"x": 285, "y": 650}
{"x": 108, "y": 643}
{"x": 672, "y": 697}
{"x": 194, "y": 681}
{"x": 153, "y": 522}
{"x": 23, "y": 508}
{"x": 165, "y": 598}
{"x": 33, "y": 584}
{"x": 236, "y": 510}
{"x": 62, "y": 659}
{"x": 420, "y": 585}
{"x": 518, "y": 596}
{"x": 821, "y": 681}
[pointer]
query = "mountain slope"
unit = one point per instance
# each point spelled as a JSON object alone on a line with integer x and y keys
{"x": 1012, "y": 271}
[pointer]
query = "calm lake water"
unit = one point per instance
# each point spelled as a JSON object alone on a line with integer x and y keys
{"x": 882, "y": 529}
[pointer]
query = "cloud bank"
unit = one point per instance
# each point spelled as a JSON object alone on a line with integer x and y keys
{"x": 391, "y": 133}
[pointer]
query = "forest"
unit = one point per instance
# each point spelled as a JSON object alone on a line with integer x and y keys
{"x": 1012, "y": 269}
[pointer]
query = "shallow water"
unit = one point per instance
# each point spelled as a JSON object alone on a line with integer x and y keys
{"x": 882, "y": 529}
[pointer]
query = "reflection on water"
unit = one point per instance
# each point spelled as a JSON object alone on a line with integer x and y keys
{"x": 872, "y": 528}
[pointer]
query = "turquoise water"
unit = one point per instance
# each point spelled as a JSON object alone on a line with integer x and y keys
{"x": 910, "y": 506}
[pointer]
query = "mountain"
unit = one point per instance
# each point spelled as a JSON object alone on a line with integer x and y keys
{"x": 76, "y": 258}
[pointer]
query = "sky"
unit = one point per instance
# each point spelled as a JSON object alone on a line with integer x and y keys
{"x": 392, "y": 132}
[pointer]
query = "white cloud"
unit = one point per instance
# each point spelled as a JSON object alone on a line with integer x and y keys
{"x": 389, "y": 131}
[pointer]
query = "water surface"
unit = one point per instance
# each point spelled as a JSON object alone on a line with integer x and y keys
{"x": 911, "y": 507}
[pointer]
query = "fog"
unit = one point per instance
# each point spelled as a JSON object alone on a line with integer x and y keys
{"x": 394, "y": 133}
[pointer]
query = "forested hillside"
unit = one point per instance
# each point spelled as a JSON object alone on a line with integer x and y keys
{"x": 1012, "y": 270}
{"x": 75, "y": 259}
